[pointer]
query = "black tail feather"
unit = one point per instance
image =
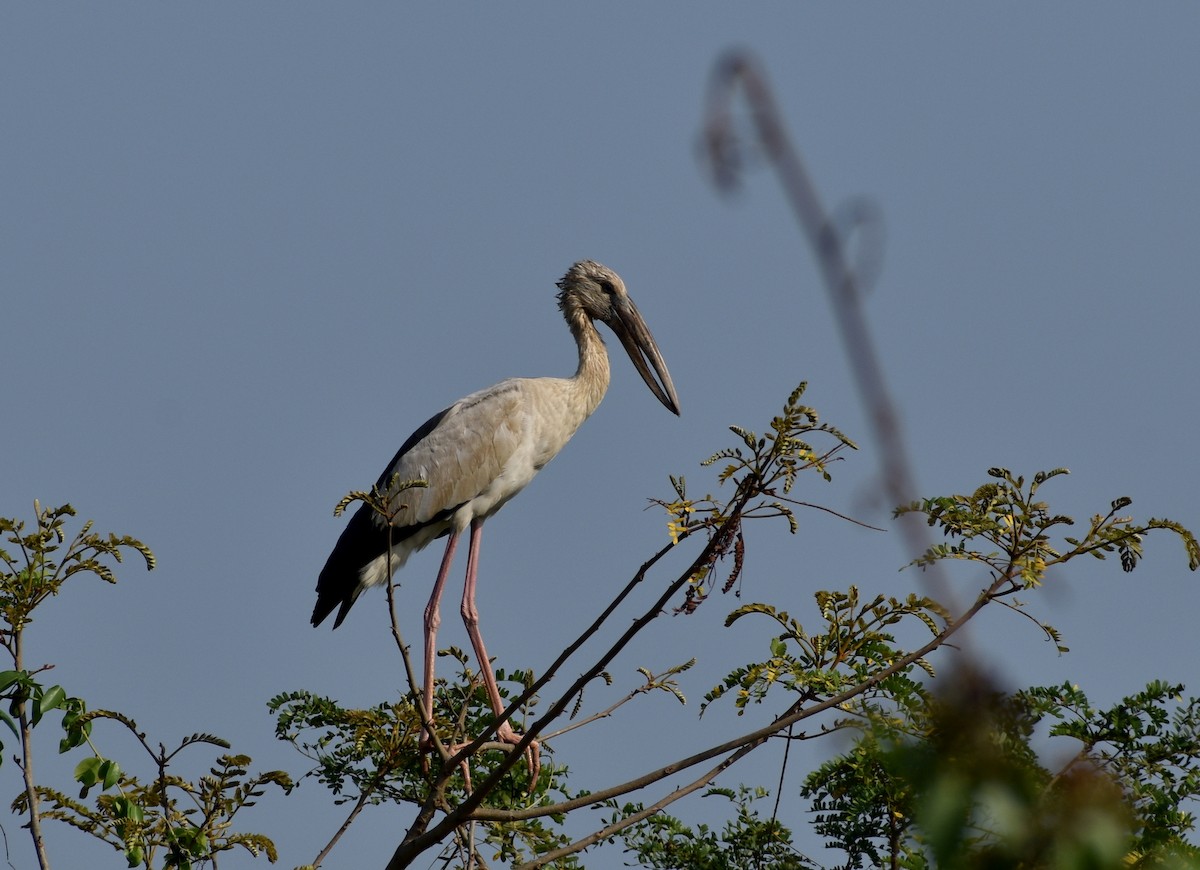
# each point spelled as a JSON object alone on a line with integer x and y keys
{"x": 362, "y": 541}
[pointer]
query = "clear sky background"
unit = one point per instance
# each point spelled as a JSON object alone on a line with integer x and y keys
{"x": 246, "y": 248}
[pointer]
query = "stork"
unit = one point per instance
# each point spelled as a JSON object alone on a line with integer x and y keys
{"x": 476, "y": 455}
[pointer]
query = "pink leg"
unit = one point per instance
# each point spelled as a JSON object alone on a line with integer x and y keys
{"x": 470, "y": 617}
{"x": 433, "y": 619}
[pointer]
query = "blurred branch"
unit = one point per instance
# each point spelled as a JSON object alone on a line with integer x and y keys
{"x": 826, "y": 235}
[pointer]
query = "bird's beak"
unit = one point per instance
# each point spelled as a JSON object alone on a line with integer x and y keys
{"x": 631, "y": 329}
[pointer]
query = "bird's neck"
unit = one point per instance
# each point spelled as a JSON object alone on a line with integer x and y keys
{"x": 592, "y": 376}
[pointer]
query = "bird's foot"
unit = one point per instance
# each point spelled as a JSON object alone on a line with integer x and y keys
{"x": 505, "y": 734}
{"x": 533, "y": 752}
{"x": 427, "y": 747}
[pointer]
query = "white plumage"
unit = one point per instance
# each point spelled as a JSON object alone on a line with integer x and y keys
{"x": 484, "y": 449}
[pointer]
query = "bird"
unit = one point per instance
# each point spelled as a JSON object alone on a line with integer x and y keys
{"x": 478, "y": 453}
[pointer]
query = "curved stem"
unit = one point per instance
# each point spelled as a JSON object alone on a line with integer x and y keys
{"x": 31, "y": 795}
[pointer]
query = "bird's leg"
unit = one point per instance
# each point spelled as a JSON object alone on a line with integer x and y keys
{"x": 433, "y": 619}
{"x": 470, "y": 615}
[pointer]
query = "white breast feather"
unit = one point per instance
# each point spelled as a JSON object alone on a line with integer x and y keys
{"x": 485, "y": 450}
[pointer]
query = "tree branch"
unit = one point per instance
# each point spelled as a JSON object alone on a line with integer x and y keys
{"x": 26, "y": 760}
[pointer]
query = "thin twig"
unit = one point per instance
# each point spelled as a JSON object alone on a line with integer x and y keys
{"x": 829, "y": 510}
{"x": 602, "y": 714}
{"x": 787, "y": 746}
{"x": 358, "y": 807}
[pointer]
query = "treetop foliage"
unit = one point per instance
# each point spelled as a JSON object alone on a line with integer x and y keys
{"x": 942, "y": 771}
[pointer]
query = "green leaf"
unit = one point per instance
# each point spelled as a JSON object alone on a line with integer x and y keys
{"x": 124, "y": 808}
{"x": 87, "y": 774}
{"x": 12, "y": 725}
{"x": 110, "y": 773}
{"x": 52, "y": 699}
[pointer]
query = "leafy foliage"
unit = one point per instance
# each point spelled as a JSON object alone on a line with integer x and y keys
{"x": 952, "y": 779}
{"x": 376, "y": 755}
{"x": 765, "y": 468}
{"x": 1010, "y": 518}
{"x": 43, "y": 566}
{"x": 1148, "y": 744}
{"x": 186, "y": 822}
{"x": 982, "y": 798}
{"x": 746, "y": 841}
{"x": 932, "y": 780}
{"x": 942, "y": 771}
{"x": 854, "y": 645}
{"x": 975, "y": 793}
{"x": 861, "y": 807}
{"x": 183, "y": 823}
{"x": 370, "y": 754}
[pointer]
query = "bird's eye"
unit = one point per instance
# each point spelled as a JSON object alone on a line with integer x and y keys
{"x": 607, "y": 287}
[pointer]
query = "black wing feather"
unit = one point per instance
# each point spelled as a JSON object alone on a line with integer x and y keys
{"x": 365, "y": 539}
{"x": 360, "y": 542}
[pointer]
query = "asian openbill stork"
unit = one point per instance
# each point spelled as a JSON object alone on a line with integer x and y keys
{"x": 480, "y": 452}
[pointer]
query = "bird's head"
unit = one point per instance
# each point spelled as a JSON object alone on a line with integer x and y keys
{"x": 598, "y": 293}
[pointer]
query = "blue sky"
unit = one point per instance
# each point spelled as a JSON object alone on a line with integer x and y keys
{"x": 246, "y": 249}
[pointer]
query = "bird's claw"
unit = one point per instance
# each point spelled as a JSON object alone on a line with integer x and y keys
{"x": 533, "y": 752}
{"x": 504, "y": 734}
